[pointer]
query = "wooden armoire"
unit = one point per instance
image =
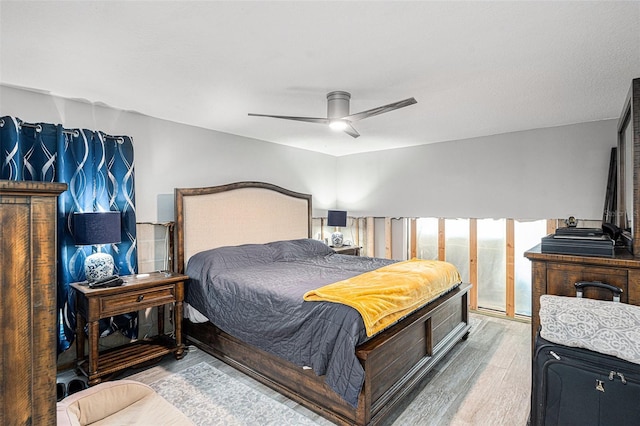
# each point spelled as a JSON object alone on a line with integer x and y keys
{"x": 28, "y": 302}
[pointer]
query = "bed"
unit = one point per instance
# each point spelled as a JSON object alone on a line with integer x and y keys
{"x": 252, "y": 215}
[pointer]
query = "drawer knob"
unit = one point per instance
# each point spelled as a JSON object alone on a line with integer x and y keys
{"x": 140, "y": 298}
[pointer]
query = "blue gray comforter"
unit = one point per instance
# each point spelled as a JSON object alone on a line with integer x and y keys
{"x": 255, "y": 293}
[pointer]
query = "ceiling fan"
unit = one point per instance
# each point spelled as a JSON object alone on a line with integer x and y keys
{"x": 338, "y": 117}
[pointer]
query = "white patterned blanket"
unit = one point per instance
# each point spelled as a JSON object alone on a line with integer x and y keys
{"x": 597, "y": 325}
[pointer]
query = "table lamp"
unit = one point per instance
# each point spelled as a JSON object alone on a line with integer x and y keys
{"x": 337, "y": 218}
{"x": 95, "y": 229}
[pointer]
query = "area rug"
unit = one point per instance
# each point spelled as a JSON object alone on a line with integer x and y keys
{"x": 208, "y": 396}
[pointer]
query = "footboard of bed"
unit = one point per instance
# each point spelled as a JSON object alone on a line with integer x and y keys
{"x": 394, "y": 361}
{"x": 399, "y": 358}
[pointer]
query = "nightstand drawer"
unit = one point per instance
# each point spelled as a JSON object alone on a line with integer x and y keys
{"x": 562, "y": 277}
{"x": 135, "y": 301}
{"x": 348, "y": 250}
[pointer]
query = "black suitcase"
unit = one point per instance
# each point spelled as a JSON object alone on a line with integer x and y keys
{"x": 575, "y": 386}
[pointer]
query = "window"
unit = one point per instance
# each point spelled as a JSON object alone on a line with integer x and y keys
{"x": 492, "y": 264}
{"x": 457, "y": 245}
{"x": 527, "y": 235}
{"x": 427, "y": 238}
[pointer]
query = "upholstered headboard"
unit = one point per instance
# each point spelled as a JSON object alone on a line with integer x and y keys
{"x": 237, "y": 213}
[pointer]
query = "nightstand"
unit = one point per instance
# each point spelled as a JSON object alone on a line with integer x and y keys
{"x": 138, "y": 292}
{"x": 350, "y": 250}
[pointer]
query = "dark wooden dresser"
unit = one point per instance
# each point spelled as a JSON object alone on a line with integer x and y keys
{"x": 557, "y": 273}
{"x": 28, "y": 302}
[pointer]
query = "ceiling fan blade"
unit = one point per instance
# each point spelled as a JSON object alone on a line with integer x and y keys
{"x": 380, "y": 110}
{"x": 286, "y": 117}
{"x": 351, "y": 131}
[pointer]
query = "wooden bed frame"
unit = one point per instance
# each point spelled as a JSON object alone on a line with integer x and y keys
{"x": 394, "y": 361}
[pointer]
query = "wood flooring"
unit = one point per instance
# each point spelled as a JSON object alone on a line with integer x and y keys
{"x": 485, "y": 380}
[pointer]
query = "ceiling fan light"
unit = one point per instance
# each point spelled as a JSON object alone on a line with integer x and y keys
{"x": 338, "y": 125}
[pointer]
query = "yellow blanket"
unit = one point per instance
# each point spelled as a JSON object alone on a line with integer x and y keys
{"x": 387, "y": 294}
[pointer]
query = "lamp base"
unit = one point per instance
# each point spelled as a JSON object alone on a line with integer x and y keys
{"x": 98, "y": 266}
{"x": 337, "y": 239}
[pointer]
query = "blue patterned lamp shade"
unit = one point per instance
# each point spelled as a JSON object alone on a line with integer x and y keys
{"x": 337, "y": 218}
{"x": 96, "y": 228}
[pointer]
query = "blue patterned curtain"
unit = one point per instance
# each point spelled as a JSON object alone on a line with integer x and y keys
{"x": 98, "y": 169}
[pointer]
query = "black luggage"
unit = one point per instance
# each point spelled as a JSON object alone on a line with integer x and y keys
{"x": 577, "y": 386}
{"x": 574, "y": 386}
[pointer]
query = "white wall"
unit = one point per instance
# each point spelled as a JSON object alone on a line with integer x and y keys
{"x": 169, "y": 155}
{"x": 536, "y": 174}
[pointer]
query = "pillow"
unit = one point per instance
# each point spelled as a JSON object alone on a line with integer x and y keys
{"x": 231, "y": 257}
{"x": 597, "y": 325}
{"x": 298, "y": 249}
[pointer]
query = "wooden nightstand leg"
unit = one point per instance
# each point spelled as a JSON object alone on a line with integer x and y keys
{"x": 80, "y": 323}
{"x": 94, "y": 335}
{"x": 161, "y": 320}
{"x": 177, "y": 321}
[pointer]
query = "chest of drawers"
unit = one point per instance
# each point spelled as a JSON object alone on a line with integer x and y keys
{"x": 556, "y": 274}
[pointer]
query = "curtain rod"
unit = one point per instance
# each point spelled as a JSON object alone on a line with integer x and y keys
{"x": 38, "y": 128}
{"x": 75, "y": 133}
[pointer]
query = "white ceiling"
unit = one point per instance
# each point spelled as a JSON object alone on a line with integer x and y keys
{"x": 475, "y": 68}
